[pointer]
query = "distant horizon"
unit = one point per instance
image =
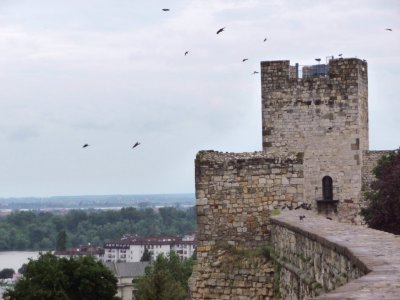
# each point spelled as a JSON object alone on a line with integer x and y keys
{"x": 95, "y": 195}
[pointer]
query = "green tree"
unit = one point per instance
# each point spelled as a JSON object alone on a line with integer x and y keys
{"x": 53, "y": 278}
{"x": 7, "y": 273}
{"x": 40, "y": 231}
{"x": 22, "y": 269}
{"x": 382, "y": 211}
{"x": 61, "y": 241}
{"x": 147, "y": 255}
{"x": 166, "y": 279}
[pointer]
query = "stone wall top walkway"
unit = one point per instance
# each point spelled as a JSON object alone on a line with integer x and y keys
{"x": 375, "y": 252}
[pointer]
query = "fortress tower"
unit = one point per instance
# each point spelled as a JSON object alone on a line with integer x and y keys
{"x": 326, "y": 118}
{"x": 315, "y": 151}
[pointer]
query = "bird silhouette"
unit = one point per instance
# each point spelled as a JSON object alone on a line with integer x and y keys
{"x": 388, "y": 29}
{"x": 165, "y": 9}
{"x": 318, "y": 59}
{"x": 265, "y": 39}
{"x": 329, "y": 218}
{"x": 255, "y": 72}
{"x": 306, "y": 206}
{"x": 340, "y": 55}
{"x": 186, "y": 53}
{"x": 244, "y": 59}
{"x": 220, "y": 30}
{"x": 301, "y": 218}
{"x": 85, "y": 145}
{"x": 136, "y": 144}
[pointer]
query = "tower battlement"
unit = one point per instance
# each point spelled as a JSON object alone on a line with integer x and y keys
{"x": 280, "y": 71}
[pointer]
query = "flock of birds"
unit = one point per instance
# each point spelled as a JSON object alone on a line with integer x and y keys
{"x": 290, "y": 207}
{"x": 302, "y": 206}
{"x": 222, "y": 29}
{"x": 186, "y": 53}
{"x": 218, "y": 32}
{"x": 265, "y": 39}
{"x": 134, "y": 146}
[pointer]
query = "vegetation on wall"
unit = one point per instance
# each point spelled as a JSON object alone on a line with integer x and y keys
{"x": 28, "y": 230}
{"x": 382, "y": 209}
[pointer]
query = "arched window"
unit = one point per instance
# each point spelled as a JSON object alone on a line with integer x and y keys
{"x": 327, "y": 188}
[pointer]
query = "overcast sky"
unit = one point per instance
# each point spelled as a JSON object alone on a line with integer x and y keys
{"x": 113, "y": 72}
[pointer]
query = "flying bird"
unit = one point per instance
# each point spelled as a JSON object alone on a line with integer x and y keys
{"x": 318, "y": 59}
{"x": 186, "y": 53}
{"x": 265, "y": 39}
{"x": 244, "y": 59}
{"x": 136, "y": 144}
{"x": 329, "y": 218}
{"x": 340, "y": 55}
{"x": 165, "y": 9}
{"x": 85, "y": 145}
{"x": 301, "y": 218}
{"x": 388, "y": 29}
{"x": 255, "y": 72}
{"x": 220, "y": 30}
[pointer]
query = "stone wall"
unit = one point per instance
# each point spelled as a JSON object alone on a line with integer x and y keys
{"x": 370, "y": 160}
{"x": 312, "y": 127}
{"x": 236, "y": 194}
{"x": 232, "y": 273}
{"x": 329, "y": 260}
{"x": 325, "y": 117}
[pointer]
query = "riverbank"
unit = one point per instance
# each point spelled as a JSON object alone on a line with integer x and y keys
{"x": 15, "y": 259}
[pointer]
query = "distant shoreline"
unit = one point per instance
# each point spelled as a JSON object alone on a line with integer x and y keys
{"x": 96, "y": 202}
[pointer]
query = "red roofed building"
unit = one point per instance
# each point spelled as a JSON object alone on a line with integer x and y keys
{"x": 130, "y": 248}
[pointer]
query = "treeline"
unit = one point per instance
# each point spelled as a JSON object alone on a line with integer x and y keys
{"x": 39, "y": 230}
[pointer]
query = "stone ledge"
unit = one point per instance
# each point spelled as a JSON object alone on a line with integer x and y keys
{"x": 257, "y": 156}
{"x": 374, "y": 252}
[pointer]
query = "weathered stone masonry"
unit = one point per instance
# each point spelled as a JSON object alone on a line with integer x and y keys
{"x": 335, "y": 261}
{"x": 325, "y": 117}
{"x": 236, "y": 193}
{"x": 369, "y": 163}
{"x": 313, "y": 128}
{"x": 235, "y": 196}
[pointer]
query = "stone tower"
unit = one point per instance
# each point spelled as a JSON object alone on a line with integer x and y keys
{"x": 315, "y": 150}
{"x": 326, "y": 118}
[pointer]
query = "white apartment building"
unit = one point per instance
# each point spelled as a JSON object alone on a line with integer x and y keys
{"x": 130, "y": 248}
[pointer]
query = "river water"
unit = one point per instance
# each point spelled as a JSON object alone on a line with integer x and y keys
{"x": 15, "y": 259}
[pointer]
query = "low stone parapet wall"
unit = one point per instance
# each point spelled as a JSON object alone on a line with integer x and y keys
{"x": 322, "y": 259}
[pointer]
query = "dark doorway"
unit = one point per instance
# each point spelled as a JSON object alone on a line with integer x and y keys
{"x": 327, "y": 188}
